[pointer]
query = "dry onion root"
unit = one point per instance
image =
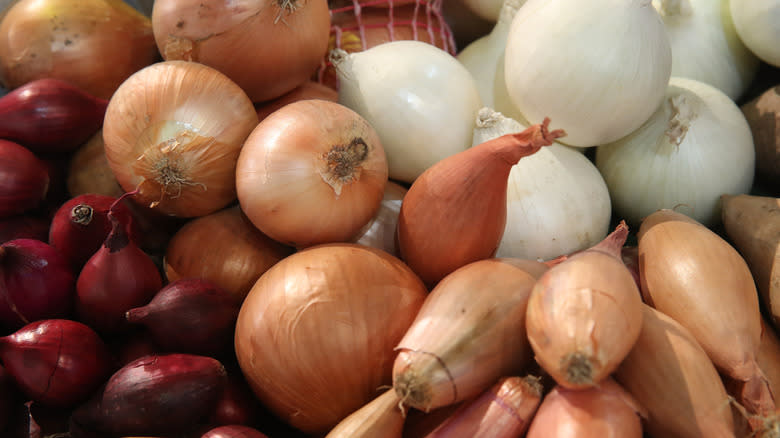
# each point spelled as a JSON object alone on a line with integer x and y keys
{"x": 691, "y": 274}
{"x": 459, "y": 343}
{"x": 585, "y": 314}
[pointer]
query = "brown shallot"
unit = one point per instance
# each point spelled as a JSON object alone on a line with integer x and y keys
{"x": 469, "y": 333}
{"x": 585, "y": 313}
{"x": 693, "y": 275}
{"x": 606, "y": 410}
{"x": 380, "y": 418}
{"x": 455, "y": 211}
{"x": 503, "y": 411}
{"x": 672, "y": 377}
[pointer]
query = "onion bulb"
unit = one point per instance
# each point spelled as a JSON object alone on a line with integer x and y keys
{"x": 756, "y": 24}
{"x": 705, "y": 45}
{"x": 379, "y": 418}
{"x": 174, "y": 131}
{"x": 557, "y": 200}
{"x": 486, "y": 9}
{"x": 315, "y": 335}
{"x": 92, "y": 44}
{"x": 311, "y": 159}
{"x": 585, "y": 314}
{"x": 694, "y": 148}
{"x": 598, "y": 68}
{"x": 678, "y": 259}
{"x": 267, "y": 47}
{"x": 422, "y": 105}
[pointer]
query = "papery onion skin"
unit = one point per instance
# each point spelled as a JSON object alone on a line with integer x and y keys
{"x": 606, "y": 410}
{"x": 585, "y": 314}
{"x": 307, "y": 90}
{"x": 678, "y": 258}
{"x": 599, "y": 69}
{"x": 24, "y": 179}
{"x": 173, "y": 131}
{"x": 382, "y": 417}
{"x": 223, "y": 247}
{"x": 268, "y": 47}
{"x": 315, "y": 336}
{"x": 756, "y": 24}
{"x": 311, "y": 159}
{"x": 75, "y": 41}
{"x": 672, "y": 377}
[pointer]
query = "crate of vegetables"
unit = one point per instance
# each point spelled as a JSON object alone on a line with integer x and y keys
{"x": 389, "y": 218}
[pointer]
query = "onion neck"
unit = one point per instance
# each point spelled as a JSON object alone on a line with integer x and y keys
{"x": 674, "y": 8}
{"x": 680, "y": 121}
{"x": 81, "y": 214}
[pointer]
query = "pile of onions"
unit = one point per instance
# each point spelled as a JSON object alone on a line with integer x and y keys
{"x": 315, "y": 336}
{"x": 311, "y": 159}
{"x": 354, "y": 29}
{"x": 173, "y": 131}
{"x": 93, "y": 44}
{"x": 268, "y": 47}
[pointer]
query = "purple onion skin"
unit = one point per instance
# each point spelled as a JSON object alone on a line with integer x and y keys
{"x": 50, "y": 115}
{"x": 8, "y": 398}
{"x": 36, "y": 283}
{"x": 190, "y": 316}
{"x": 26, "y": 226}
{"x": 56, "y": 362}
{"x": 155, "y": 395}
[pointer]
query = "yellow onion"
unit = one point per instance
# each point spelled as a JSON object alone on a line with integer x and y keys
{"x": 585, "y": 313}
{"x": 380, "y": 418}
{"x": 93, "y": 44}
{"x": 225, "y": 248}
{"x": 312, "y": 172}
{"x": 268, "y": 47}
{"x": 89, "y": 172}
{"x": 468, "y": 334}
{"x": 697, "y": 278}
{"x": 315, "y": 335}
{"x": 672, "y": 377}
{"x": 174, "y": 131}
{"x": 503, "y": 411}
{"x": 602, "y": 411}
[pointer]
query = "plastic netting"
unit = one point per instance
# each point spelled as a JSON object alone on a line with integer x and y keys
{"x": 358, "y": 25}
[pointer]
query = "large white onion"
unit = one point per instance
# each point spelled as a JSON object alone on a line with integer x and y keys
{"x": 695, "y": 148}
{"x": 557, "y": 201}
{"x": 705, "y": 45}
{"x": 598, "y": 69}
{"x": 419, "y": 98}
{"x": 758, "y": 25}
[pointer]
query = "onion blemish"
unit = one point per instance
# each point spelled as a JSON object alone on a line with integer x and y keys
{"x": 343, "y": 163}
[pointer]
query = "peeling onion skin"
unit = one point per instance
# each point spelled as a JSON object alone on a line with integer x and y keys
{"x": 174, "y": 131}
{"x": 268, "y": 47}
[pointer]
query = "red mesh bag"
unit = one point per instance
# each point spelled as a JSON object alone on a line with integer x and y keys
{"x": 358, "y": 25}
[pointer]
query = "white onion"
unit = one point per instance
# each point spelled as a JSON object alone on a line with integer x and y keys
{"x": 695, "y": 148}
{"x": 419, "y": 98}
{"x": 758, "y": 25}
{"x": 485, "y": 9}
{"x": 705, "y": 45}
{"x": 598, "y": 69}
{"x": 557, "y": 201}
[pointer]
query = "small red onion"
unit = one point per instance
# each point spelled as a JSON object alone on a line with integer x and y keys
{"x": 190, "y": 316}
{"x": 50, "y": 115}
{"x": 237, "y": 404}
{"x": 155, "y": 395}
{"x": 234, "y": 431}
{"x": 26, "y": 226}
{"x": 24, "y": 179}
{"x": 117, "y": 278}
{"x": 56, "y": 362}
{"x": 81, "y": 225}
{"x": 35, "y": 283}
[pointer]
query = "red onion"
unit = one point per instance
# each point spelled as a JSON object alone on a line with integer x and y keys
{"x": 26, "y": 226}
{"x": 35, "y": 283}
{"x": 155, "y": 395}
{"x": 56, "y": 362}
{"x": 237, "y": 404}
{"x": 190, "y": 316}
{"x": 80, "y": 226}
{"x": 50, "y": 115}
{"x": 118, "y": 277}
{"x": 7, "y": 398}
{"x": 24, "y": 179}
{"x": 133, "y": 345}
{"x": 234, "y": 431}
